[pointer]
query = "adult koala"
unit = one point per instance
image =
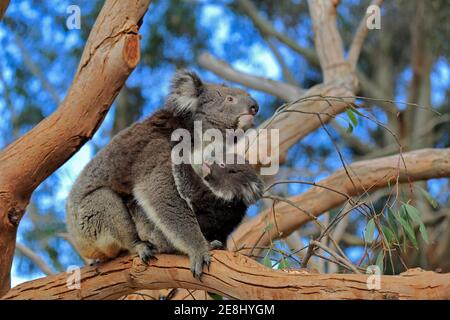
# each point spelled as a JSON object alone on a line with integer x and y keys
{"x": 136, "y": 166}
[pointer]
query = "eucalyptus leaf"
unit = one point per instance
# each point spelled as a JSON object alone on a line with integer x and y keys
{"x": 284, "y": 264}
{"x": 424, "y": 233}
{"x": 429, "y": 198}
{"x": 352, "y": 117}
{"x": 215, "y": 296}
{"x": 409, "y": 231}
{"x": 267, "y": 261}
{"x": 388, "y": 234}
{"x": 355, "y": 110}
{"x": 350, "y": 128}
{"x": 268, "y": 227}
{"x": 392, "y": 223}
{"x": 414, "y": 214}
{"x": 380, "y": 261}
{"x": 369, "y": 231}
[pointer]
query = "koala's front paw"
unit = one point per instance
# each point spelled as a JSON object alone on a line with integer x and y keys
{"x": 146, "y": 252}
{"x": 198, "y": 260}
{"x": 216, "y": 244}
{"x": 93, "y": 262}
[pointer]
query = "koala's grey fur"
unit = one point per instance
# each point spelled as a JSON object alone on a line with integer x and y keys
{"x": 221, "y": 197}
{"x": 136, "y": 167}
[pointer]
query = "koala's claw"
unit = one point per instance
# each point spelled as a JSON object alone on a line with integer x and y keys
{"x": 197, "y": 263}
{"x": 146, "y": 252}
{"x": 215, "y": 244}
{"x": 94, "y": 262}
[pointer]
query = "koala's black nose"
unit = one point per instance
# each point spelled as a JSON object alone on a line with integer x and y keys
{"x": 253, "y": 106}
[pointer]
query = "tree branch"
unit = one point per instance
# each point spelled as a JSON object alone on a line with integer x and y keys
{"x": 368, "y": 175}
{"x": 36, "y": 70}
{"x": 3, "y": 6}
{"x": 321, "y": 101}
{"x": 234, "y": 276}
{"x": 278, "y": 89}
{"x": 30, "y": 254}
{"x": 111, "y": 53}
{"x": 328, "y": 41}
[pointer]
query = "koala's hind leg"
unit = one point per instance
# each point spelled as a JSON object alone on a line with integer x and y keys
{"x": 163, "y": 205}
{"x": 106, "y": 228}
{"x": 147, "y": 230}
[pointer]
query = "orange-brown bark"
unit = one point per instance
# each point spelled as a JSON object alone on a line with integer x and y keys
{"x": 110, "y": 55}
{"x": 367, "y": 175}
{"x": 232, "y": 275}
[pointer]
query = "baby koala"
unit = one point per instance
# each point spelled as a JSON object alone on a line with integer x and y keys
{"x": 219, "y": 198}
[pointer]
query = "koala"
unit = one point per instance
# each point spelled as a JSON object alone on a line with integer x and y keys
{"x": 220, "y": 197}
{"x": 135, "y": 169}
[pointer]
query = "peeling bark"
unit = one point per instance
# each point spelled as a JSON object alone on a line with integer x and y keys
{"x": 234, "y": 276}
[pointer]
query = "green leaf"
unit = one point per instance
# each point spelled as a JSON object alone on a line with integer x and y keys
{"x": 402, "y": 213}
{"x": 349, "y": 128}
{"x": 267, "y": 262}
{"x": 424, "y": 233}
{"x": 414, "y": 214}
{"x": 284, "y": 264}
{"x": 392, "y": 224}
{"x": 355, "y": 110}
{"x": 391, "y": 218}
{"x": 429, "y": 198}
{"x": 407, "y": 228}
{"x": 369, "y": 231}
{"x": 268, "y": 227}
{"x": 388, "y": 234}
{"x": 215, "y": 296}
{"x": 380, "y": 261}
{"x": 352, "y": 117}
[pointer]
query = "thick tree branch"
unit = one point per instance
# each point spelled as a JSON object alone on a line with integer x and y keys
{"x": 232, "y": 275}
{"x": 339, "y": 81}
{"x": 367, "y": 176}
{"x": 111, "y": 53}
{"x": 278, "y": 89}
{"x": 328, "y": 41}
{"x": 300, "y": 118}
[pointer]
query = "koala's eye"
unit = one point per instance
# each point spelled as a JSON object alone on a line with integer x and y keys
{"x": 222, "y": 165}
{"x": 231, "y": 99}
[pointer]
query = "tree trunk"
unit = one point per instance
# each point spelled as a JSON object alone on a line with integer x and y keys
{"x": 111, "y": 53}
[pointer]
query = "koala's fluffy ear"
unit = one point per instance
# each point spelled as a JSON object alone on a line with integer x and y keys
{"x": 185, "y": 89}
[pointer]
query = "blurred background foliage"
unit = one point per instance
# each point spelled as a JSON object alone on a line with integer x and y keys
{"x": 407, "y": 60}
